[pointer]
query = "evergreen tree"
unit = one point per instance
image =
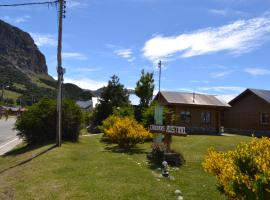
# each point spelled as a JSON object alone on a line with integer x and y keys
{"x": 113, "y": 95}
{"x": 144, "y": 90}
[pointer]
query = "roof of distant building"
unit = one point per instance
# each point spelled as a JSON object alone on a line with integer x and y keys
{"x": 191, "y": 99}
{"x": 263, "y": 94}
{"x": 85, "y": 104}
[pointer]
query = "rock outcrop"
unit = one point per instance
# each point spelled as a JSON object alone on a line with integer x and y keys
{"x": 17, "y": 49}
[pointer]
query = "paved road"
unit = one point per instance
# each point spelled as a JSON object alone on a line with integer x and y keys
{"x": 8, "y": 138}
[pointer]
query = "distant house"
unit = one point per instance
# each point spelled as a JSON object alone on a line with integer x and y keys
{"x": 199, "y": 113}
{"x": 134, "y": 99}
{"x": 249, "y": 113}
{"x": 85, "y": 105}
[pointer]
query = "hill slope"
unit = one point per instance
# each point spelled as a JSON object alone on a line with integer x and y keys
{"x": 23, "y": 70}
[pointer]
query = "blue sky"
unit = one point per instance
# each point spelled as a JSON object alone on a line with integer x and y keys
{"x": 217, "y": 47}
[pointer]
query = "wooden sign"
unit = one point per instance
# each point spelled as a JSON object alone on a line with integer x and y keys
{"x": 170, "y": 130}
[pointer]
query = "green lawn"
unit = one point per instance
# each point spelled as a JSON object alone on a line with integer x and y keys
{"x": 91, "y": 169}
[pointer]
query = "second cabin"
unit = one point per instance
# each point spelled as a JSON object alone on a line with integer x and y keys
{"x": 198, "y": 113}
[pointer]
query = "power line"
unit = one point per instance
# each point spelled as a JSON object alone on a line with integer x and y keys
{"x": 30, "y": 3}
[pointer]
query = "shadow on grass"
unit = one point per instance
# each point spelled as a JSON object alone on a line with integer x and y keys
{"x": 112, "y": 147}
{"x": 130, "y": 151}
{"x": 23, "y": 150}
{"x": 106, "y": 140}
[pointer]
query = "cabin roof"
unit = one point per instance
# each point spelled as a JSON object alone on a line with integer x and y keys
{"x": 191, "y": 99}
{"x": 263, "y": 94}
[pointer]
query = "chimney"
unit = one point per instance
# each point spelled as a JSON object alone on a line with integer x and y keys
{"x": 193, "y": 97}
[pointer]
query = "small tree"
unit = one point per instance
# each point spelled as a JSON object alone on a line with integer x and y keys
{"x": 125, "y": 131}
{"x": 38, "y": 124}
{"x": 144, "y": 90}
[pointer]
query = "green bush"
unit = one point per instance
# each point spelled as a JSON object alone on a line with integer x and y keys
{"x": 38, "y": 124}
{"x": 123, "y": 111}
{"x": 158, "y": 153}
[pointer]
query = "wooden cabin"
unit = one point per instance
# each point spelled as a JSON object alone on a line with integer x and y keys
{"x": 198, "y": 113}
{"x": 249, "y": 113}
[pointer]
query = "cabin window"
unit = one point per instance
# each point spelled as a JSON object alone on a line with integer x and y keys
{"x": 206, "y": 117}
{"x": 185, "y": 117}
{"x": 264, "y": 118}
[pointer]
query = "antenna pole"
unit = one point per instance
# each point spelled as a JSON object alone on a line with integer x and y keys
{"x": 159, "y": 66}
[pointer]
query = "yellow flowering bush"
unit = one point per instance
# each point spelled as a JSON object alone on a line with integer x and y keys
{"x": 243, "y": 173}
{"x": 125, "y": 131}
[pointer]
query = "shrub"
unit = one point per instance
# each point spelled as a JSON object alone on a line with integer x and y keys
{"x": 108, "y": 123}
{"x": 243, "y": 173}
{"x": 86, "y": 116}
{"x": 160, "y": 153}
{"x": 38, "y": 124}
{"x": 125, "y": 131}
{"x": 124, "y": 111}
{"x": 157, "y": 156}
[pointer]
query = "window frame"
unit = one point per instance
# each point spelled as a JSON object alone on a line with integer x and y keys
{"x": 187, "y": 117}
{"x": 263, "y": 117}
{"x": 206, "y": 119}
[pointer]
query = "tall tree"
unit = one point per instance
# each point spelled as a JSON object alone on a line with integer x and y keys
{"x": 145, "y": 88}
{"x": 113, "y": 95}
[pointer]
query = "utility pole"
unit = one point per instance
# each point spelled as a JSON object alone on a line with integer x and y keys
{"x": 60, "y": 71}
{"x": 159, "y": 66}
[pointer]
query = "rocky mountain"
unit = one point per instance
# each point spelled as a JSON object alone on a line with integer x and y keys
{"x": 18, "y": 50}
{"x": 23, "y": 70}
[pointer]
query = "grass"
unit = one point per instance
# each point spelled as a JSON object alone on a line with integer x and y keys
{"x": 11, "y": 95}
{"x": 35, "y": 79}
{"x": 19, "y": 86}
{"x": 91, "y": 169}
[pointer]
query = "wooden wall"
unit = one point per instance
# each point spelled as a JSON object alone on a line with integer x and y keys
{"x": 245, "y": 113}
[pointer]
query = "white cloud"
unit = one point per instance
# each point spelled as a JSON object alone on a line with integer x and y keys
{"x": 126, "y": 54}
{"x": 22, "y": 19}
{"x": 227, "y": 97}
{"x": 226, "y": 12}
{"x": 239, "y": 37}
{"x": 221, "y": 74}
{"x": 6, "y": 18}
{"x": 189, "y": 90}
{"x": 76, "y": 4}
{"x": 42, "y": 40}
{"x": 85, "y": 83}
{"x": 87, "y": 69}
{"x": 17, "y": 20}
{"x": 257, "y": 71}
{"x": 223, "y": 89}
{"x": 199, "y": 81}
{"x": 74, "y": 56}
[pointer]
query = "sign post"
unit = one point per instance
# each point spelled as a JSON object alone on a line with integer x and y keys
{"x": 159, "y": 121}
{"x": 168, "y": 131}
